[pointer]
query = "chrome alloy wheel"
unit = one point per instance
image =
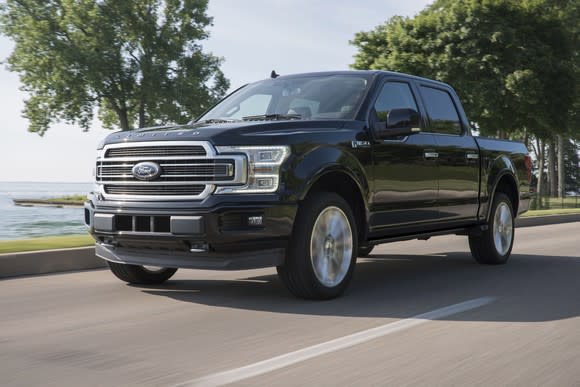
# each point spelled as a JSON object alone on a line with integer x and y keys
{"x": 502, "y": 228}
{"x": 331, "y": 246}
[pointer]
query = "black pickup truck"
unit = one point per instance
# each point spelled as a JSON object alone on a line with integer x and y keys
{"x": 305, "y": 173}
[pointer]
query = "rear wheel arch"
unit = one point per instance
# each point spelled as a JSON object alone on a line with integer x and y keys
{"x": 506, "y": 183}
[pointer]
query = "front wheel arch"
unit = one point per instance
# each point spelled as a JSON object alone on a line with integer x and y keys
{"x": 346, "y": 186}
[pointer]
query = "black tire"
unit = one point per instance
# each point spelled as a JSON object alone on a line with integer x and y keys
{"x": 483, "y": 245}
{"x": 298, "y": 273}
{"x": 134, "y": 274}
{"x": 365, "y": 251}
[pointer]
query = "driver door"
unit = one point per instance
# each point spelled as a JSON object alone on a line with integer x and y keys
{"x": 405, "y": 176}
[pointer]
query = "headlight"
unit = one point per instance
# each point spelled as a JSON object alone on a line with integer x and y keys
{"x": 101, "y": 144}
{"x": 263, "y": 168}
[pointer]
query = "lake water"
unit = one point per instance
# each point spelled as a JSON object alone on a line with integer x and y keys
{"x": 18, "y": 222}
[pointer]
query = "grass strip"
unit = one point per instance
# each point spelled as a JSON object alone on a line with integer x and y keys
{"x": 553, "y": 211}
{"x": 45, "y": 243}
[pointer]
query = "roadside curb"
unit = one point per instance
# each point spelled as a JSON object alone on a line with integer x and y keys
{"x": 49, "y": 261}
{"x": 547, "y": 220}
{"x": 83, "y": 258}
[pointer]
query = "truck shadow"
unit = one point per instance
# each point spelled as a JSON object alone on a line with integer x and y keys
{"x": 529, "y": 288}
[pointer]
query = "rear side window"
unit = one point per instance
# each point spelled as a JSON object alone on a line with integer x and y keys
{"x": 441, "y": 110}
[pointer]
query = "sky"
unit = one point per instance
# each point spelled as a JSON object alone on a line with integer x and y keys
{"x": 253, "y": 36}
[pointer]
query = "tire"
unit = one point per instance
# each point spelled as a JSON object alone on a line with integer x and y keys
{"x": 494, "y": 245}
{"x": 134, "y": 274}
{"x": 320, "y": 266}
{"x": 365, "y": 251}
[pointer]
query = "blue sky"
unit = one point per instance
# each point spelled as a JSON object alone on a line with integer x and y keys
{"x": 254, "y": 37}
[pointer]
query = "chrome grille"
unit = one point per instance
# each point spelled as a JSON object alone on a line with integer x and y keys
{"x": 172, "y": 170}
{"x": 188, "y": 170}
{"x": 155, "y": 190}
{"x": 143, "y": 151}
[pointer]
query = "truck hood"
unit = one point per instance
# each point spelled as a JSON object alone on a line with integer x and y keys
{"x": 235, "y": 133}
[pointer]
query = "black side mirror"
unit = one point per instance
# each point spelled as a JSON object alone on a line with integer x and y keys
{"x": 400, "y": 122}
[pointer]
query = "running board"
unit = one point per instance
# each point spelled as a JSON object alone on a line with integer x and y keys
{"x": 423, "y": 236}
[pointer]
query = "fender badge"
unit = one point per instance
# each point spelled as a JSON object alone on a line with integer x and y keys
{"x": 360, "y": 144}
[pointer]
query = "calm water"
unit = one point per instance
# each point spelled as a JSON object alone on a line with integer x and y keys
{"x": 25, "y": 222}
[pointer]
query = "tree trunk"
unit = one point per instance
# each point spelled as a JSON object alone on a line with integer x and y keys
{"x": 561, "y": 168}
{"x": 539, "y": 185}
{"x": 142, "y": 122}
{"x": 123, "y": 119}
{"x": 552, "y": 177}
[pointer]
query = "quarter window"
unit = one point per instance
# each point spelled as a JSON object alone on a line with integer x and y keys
{"x": 441, "y": 110}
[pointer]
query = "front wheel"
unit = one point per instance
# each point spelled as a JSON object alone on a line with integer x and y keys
{"x": 142, "y": 275}
{"x": 494, "y": 245}
{"x": 322, "y": 254}
{"x": 365, "y": 251}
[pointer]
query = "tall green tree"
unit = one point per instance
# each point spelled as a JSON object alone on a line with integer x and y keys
{"x": 509, "y": 60}
{"x": 136, "y": 63}
{"x": 513, "y": 62}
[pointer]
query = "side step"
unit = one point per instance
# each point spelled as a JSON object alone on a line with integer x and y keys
{"x": 425, "y": 236}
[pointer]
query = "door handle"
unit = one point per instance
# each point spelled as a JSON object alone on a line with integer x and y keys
{"x": 472, "y": 156}
{"x": 431, "y": 155}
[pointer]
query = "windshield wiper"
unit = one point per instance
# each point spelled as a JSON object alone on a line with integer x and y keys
{"x": 265, "y": 117}
{"x": 216, "y": 121}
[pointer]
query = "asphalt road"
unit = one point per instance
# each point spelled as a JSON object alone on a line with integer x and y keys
{"x": 399, "y": 324}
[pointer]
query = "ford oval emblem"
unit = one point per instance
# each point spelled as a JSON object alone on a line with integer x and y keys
{"x": 146, "y": 170}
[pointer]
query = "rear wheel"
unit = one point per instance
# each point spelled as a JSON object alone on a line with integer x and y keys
{"x": 144, "y": 275}
{"x": 322, "y": 254}
{"x": 494, "y": 245}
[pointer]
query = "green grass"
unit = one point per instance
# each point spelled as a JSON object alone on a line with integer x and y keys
{"x": 76, "y": 199}
{"x": 45, "y": 243}
{"x": 553, "y": 203}
{"x": 553, "y": 211}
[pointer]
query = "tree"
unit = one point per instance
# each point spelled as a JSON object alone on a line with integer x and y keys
{"x": 513, "y": 63}
{"x": 508, "y": 60}
{"x": 568, "y": 11}
{"x": 137, "y": 63}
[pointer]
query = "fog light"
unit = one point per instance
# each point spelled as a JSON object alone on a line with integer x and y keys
{"x": 265, "y": 183}
{"x": 255, "y": 221}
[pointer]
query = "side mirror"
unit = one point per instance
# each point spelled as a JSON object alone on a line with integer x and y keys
{"x": 400, "y": 122}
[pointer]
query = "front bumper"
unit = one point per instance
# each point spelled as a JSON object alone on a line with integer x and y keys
{"x": 181, "y": 259}
{"x": 227, "y": 237}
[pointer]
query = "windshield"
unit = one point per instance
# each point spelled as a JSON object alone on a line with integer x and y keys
{"x": 308, "y": 97}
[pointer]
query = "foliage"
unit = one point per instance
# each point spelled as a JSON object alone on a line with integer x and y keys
{"x": 512, "y": 62}
{"x": 571, "y": 166}
{"x": 139, "y": 62}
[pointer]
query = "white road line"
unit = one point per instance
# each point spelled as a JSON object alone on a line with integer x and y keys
{"x": 265, "y": 366}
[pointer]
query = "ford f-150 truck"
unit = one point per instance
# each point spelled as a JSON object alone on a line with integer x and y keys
{"x": 305, "y": 173}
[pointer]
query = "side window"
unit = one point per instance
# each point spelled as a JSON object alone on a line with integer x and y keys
{"x": 395, "y": 95}
{"x": 441, "y": 110}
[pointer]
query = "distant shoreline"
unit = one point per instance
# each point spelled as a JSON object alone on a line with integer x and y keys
{"x": 47, "y": 182}
{"x": 67, "y": 201}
